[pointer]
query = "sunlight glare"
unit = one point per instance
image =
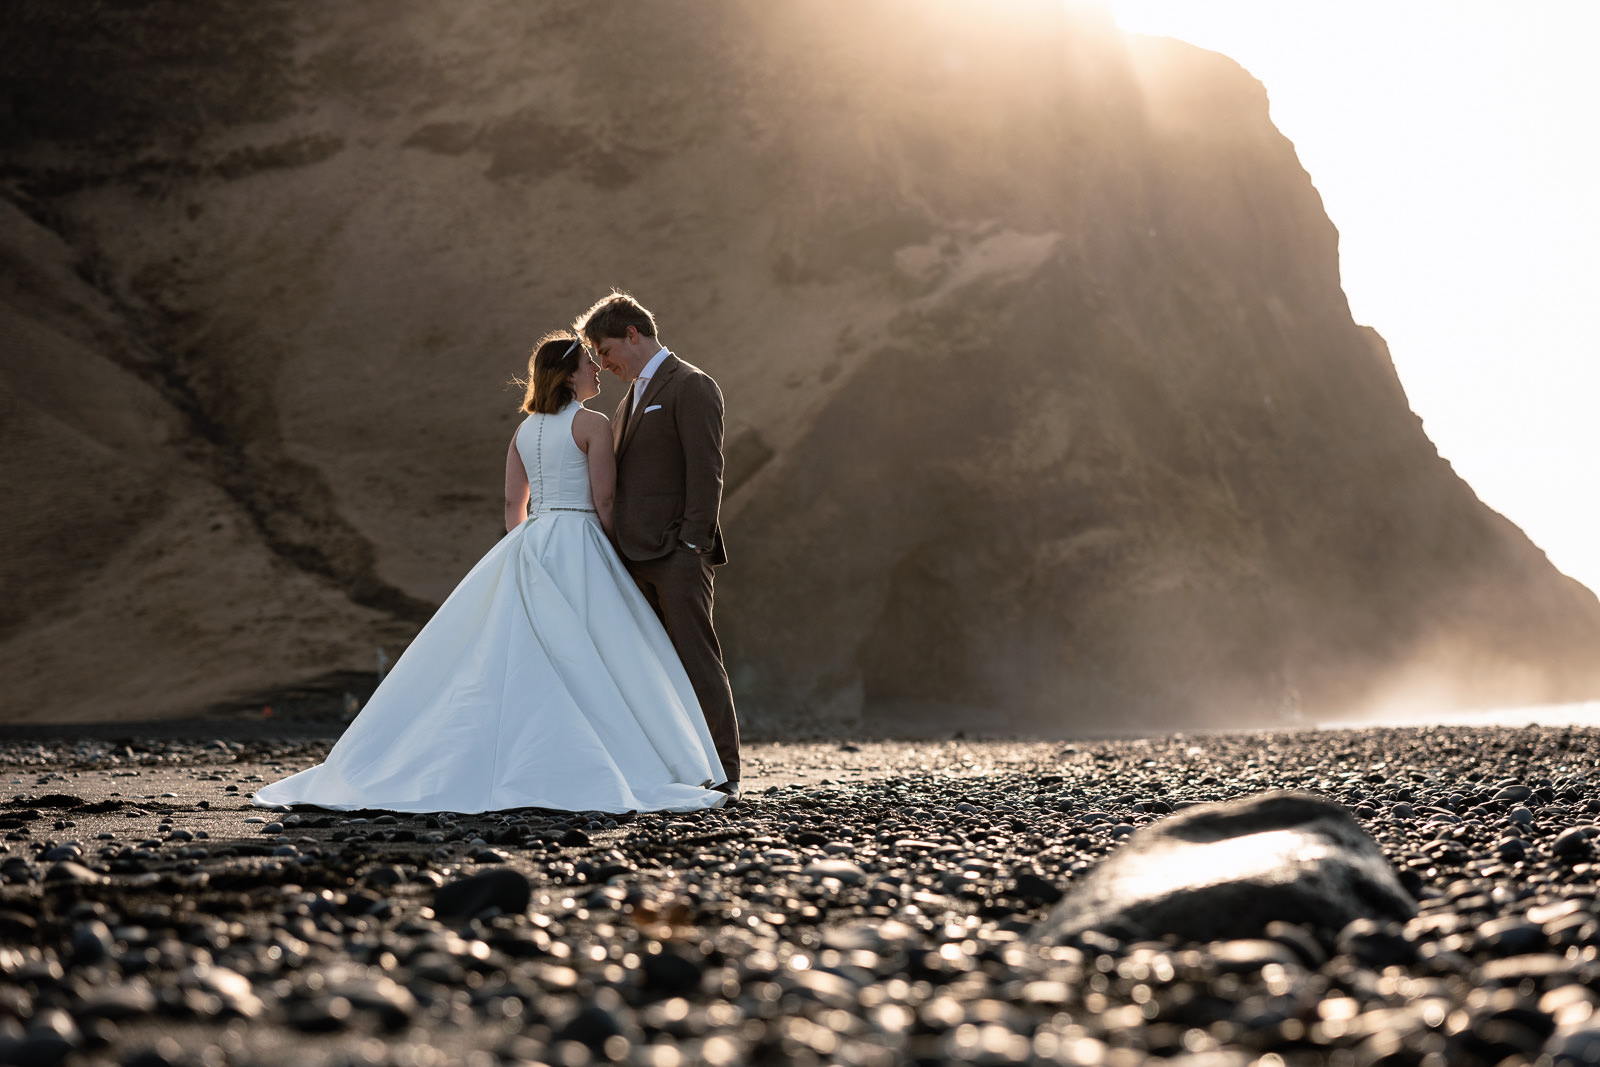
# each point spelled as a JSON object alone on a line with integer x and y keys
{"x": 1453, "y": 142}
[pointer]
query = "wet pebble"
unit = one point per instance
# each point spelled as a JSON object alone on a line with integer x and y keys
{"x": 91, "y": 942}
{"x": 844, "y": 871}
{"x": 68, "y": 871}
{"x": 505, "y": 892}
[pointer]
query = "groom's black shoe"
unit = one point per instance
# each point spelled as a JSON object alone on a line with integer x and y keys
{"x": 733, "y": 791}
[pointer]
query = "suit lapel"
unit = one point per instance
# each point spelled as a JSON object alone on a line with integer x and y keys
{"x": 658, "y": 381}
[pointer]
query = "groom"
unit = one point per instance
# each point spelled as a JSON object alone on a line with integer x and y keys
{"x": 668, "y": 437}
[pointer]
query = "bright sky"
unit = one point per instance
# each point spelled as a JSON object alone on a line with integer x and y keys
{"x": 1455, "y": 145}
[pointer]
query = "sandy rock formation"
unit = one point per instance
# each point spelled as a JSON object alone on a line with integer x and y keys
{"x": 1046, "y": 407}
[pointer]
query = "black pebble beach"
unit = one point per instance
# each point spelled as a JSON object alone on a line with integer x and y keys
{"x": 882, "y": 908}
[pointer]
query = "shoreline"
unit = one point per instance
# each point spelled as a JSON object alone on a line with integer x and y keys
{"x": 237, "y": 725}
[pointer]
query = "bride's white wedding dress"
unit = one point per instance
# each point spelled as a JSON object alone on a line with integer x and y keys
{"x": 545, "y": 680}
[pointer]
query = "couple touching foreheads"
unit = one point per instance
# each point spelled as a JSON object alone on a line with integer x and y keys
{"x": 575, "y": 666}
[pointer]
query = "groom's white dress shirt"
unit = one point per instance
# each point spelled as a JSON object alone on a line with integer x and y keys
{"x": 642, "y": 382}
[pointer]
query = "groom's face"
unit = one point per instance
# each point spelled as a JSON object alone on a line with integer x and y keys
{"x": 607, "y": 349}
{"x": 619, "y": 355}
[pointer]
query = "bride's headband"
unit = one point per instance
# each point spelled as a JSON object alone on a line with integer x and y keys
{"x": 570, "y": 347}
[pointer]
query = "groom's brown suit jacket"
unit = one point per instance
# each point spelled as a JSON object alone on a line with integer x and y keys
{"x": 669, "y": 465}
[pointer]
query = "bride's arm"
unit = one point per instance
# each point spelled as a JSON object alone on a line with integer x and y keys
{"x": 593, "y": 433}
{"x": 516, "y": 488}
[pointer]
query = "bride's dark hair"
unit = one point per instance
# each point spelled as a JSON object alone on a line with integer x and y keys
{"x": 550, "y": 370}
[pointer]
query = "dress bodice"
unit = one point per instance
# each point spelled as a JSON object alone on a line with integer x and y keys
{"x": 558, "y": 471}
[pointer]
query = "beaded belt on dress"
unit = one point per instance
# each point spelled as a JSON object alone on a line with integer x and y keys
{"x": 587, "y": 511}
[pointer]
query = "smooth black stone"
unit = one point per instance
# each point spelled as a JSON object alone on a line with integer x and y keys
{"x": 574, "y": 838}
{"x": 505, "y": 891}
{"x": 230, "y": 987}
{"x": 323, "y": 1015}
{"x": 593, "y": 1025}
{"x": 672, "y": 971}
{"x": 1512, "y": 936}
{"x": 36, "y": 1050}
{"x": 1377, "y": 944}
{"x": 68, "y": 871}
{"x": 1224, "y": 871}
{"x": 1573, "y": 842}
{"x": 91, "y": 942}
{"x": 125, "y": 1000}
{"x": 1032, "y": 888}
{"x": 361, "y": 902}
{"x": 17, "y": 924}
{"x": 391, "y": 1002}
{"x": 383, "y": 877}
{"x": 97, "y": 1033}
{"x": 1499, "y": 1036}
{"x": 844, "y": 871}
{"x": 53, "y": 1022}
{"x": 1573, "y": 930}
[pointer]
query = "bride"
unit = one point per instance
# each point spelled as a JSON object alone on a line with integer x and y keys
{"x": 545, "y": 680}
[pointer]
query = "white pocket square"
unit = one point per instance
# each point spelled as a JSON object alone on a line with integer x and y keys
{"x": 652, "y": 407}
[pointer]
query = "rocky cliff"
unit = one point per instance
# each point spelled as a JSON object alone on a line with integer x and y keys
{"x": 1046, "y": 407}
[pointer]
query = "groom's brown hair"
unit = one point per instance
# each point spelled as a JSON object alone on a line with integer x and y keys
{"x": 612, "y": 316}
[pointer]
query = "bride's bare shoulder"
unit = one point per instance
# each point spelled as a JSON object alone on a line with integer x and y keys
{"x": 589, "y": 427}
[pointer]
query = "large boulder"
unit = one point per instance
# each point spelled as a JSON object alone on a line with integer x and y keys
{"x": 1221, "y": 872}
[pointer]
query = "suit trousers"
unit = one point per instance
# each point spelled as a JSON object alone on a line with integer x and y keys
{"x": 679, "y": 589}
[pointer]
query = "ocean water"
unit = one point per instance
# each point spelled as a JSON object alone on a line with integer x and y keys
{"x": 1585, "y": 714}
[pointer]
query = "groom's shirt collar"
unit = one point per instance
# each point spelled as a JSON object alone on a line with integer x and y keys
{"x": 642, "y": 382}
{"x": 655, "y": 363}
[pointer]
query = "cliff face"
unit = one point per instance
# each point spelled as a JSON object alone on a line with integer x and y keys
{"x": 1044, "y": 398}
